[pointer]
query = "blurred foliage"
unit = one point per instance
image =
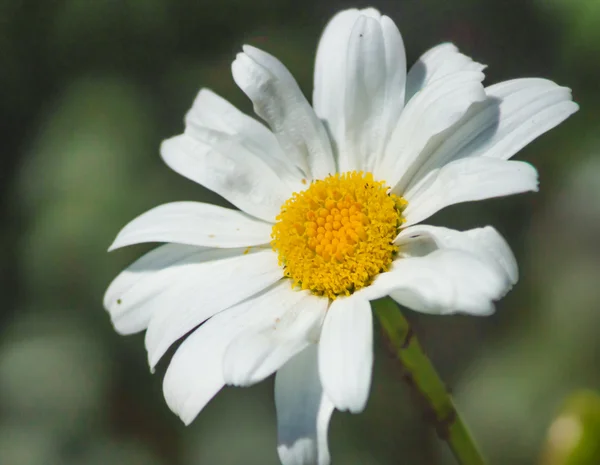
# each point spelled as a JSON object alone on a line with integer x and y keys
{"x": 573, "y": 436}
{"x": 580, "y": 34}
{"x": 89, "y": 88}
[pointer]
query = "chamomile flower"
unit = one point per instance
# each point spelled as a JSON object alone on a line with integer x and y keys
{"x": 330, "y": 201}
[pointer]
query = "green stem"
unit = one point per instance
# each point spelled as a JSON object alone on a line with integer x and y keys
{"x": 423, "y": 378}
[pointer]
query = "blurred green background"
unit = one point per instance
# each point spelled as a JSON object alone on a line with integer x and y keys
{"x": 89, "y": 88}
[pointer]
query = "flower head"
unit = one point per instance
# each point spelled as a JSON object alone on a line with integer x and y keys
{"x": 337, "y": 235}
{"x": 329, "y": 198}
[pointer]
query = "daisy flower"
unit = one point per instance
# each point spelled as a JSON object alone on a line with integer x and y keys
{"x": 330, "y": 201}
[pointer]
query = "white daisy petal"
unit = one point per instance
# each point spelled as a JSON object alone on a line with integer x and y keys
{"x": 303, "y": 411}
{"x": 376, "y": 70}
{"x": 211, "y": 113}
{"x": 194, "y": 223}
{"x": 443, "y": 282}
{"x": 161, "y": 277}
{"x": 195, "y": 373}
{"x": 365, "y": 95}
{"x": 204, "y": 290}
{"x": 527, "y": 109}
{"x": 346, "y": 353}
{"x": 288, "y": 174}
{"x": 245, "y": 181}
{"x": 498, "y": 248}
{"x": 467, "y": 180}
{"x": 441, "y": 61}
{"x": 486, "y": 243}
{"x": 330, "y": 73}
{"x": 360, "y": 72}
{"x": 421, "y": 126}
{"x": 278, "y": 100}
{"x": 126, "y": 297}
{"x": 514, "y": 113}
{"x": 262, "y": 349}
{"x": 395, "y": 85}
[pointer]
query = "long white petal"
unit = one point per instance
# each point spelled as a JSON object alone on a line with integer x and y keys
{"x": 346, "y": 353}
{"x": 513, "y": 114}
{"x": 395, "y": 83}
{"x": 194, "y": 223}
{"x": 303, "y": 411}
{"x": 376, "y": 71}
{"x": 423, "y": 123}
{"x": 365, "y": 95}
{"x": 486, "y": 243}
{"x": 527, "y": 109}
{"x": 195, "y": 373}
{"x": 495, "y": 245}
{"x": 443, "y": 282}
{"x": 212, "y": 114}
{"x": 441, "y": 61}
{"x": 330, "y": 75}
{"x": 245, "y": 181}
{"x": 360, "y": 73}
{"x": 278, "y": 100}
{"x": 204, "y": 290}
{"x": 126, "y": 297}
{"x": 295, "y": 323}
{"x": 467, "y": 180}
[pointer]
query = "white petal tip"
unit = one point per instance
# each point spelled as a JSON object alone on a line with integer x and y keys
{"x": 488, "y": 310}
{"x": 163, "y": 145}
{"x": 447, "y": 45}
{"x": 152, "y": 361}
{"x": 371, "y": 12}
{"x": 175, "y": 406}
{"x": 355, "y": 410}
{"x": 573, "y": 107}
{"x": 353, "y": 405}
{"x": 249, "y": 49}
{"x": 357, "y": 407}
{"x": 120, "y": 331}
{"x": 187, "y": 421}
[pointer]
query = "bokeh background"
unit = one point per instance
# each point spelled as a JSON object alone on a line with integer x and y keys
{"x": 89, "y": 88}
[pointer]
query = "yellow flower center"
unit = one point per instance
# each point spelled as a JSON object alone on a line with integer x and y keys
{"x": 337, "y": 235}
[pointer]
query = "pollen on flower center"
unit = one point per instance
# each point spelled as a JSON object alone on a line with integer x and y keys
{"x": 337, "y": 235}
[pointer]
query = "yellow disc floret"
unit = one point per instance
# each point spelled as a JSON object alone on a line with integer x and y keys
{"x": 337, "y": 235}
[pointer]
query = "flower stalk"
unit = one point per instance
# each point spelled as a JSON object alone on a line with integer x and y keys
{"x": 423, "y": 378}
